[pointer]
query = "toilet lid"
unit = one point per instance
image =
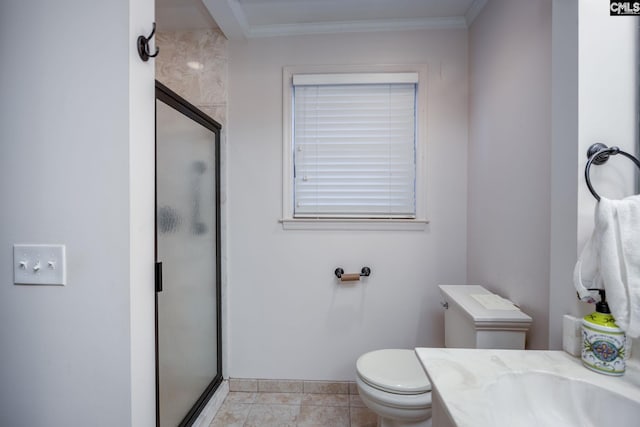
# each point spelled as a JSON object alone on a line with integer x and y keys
{"x": 395, "y": 371}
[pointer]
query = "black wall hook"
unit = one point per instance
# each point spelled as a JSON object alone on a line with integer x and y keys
{"x": 143, "y": 46}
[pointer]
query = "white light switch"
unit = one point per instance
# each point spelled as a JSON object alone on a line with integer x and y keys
{"x": 39, "y": 265}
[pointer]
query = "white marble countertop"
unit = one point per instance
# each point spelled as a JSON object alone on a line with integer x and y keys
{"x": 461, "y": 376}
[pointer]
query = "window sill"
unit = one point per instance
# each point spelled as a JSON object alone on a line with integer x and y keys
{"x": 349, "y": 224}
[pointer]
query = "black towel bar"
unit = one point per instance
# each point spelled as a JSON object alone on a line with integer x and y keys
{"x": 598, "y": 154}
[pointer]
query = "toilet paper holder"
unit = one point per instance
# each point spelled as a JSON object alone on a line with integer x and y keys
{"x": 364, "y": 272}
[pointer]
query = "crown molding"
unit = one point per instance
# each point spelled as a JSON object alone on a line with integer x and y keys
{"x": 355, "y": 27}
{"x": 230, "y": 17}
{"x": 473, "y": 11}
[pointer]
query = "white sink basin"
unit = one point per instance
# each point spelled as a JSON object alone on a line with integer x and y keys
{"x": 541, "y": 399}
{"x": 518, "y": 388}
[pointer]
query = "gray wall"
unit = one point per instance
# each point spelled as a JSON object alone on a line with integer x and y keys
{"x": 288, "y": 318}
{"x": 509, "y": 155}
{"x": 77, "y": 120}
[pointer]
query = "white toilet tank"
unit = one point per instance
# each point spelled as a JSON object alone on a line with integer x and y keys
{"x": 477, "y": 318}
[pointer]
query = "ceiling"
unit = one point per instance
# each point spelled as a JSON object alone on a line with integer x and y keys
{"x": 172, "y": 15}
{"x": 240, "y": 19}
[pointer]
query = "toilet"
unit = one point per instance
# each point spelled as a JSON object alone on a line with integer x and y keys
{"x": 393, "y": 384}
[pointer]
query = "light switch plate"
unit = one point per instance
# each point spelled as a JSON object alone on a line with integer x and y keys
{"x": 39, "y": 265}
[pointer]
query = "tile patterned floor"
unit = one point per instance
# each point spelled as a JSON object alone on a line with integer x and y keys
{"x": 293, "y": 409}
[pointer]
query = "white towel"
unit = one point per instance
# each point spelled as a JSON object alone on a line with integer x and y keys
{"x": 611, "y": 261}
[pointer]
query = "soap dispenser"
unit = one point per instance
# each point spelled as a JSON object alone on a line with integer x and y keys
{"x": 603, "y": 348}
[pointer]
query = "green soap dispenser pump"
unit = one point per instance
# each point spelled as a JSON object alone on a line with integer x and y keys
{"x": 603, "y": 348}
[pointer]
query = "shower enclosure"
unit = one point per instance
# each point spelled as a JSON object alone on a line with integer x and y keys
{"x": 188, "y": 342}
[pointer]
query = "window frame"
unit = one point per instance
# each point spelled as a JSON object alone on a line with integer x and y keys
{"x": 348, "y": 223}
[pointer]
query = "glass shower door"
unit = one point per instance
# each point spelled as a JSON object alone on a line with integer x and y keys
{"x": 187, "y": 245}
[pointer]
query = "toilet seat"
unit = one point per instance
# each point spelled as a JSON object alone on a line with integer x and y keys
{"x": 396, "y": 371}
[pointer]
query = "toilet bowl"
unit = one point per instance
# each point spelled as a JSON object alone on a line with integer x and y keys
{"x": 392, "y": 384}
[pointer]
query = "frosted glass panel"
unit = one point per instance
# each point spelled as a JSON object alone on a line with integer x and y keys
{"x": 186, "y": 239}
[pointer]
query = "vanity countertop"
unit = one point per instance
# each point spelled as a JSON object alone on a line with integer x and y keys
{"x": 460, "y": 377}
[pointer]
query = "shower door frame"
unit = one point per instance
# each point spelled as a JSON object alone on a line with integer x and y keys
{"x": 181, "y": 105}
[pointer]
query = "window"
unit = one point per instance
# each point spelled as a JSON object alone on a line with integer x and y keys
{"x": 353, "y": 151}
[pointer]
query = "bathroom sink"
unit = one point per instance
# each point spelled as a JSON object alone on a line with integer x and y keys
{"x": 543, "y": 399}
{"x": 527, "y": 388}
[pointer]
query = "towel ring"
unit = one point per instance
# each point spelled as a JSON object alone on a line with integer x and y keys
{"x": 598, "y": 154}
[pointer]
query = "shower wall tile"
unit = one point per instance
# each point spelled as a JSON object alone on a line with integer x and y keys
{"x": 217, "y": 112}
{"x": 194, "y": 65}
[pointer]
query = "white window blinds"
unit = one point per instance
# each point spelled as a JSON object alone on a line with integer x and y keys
{"x": 354, "y": 142}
